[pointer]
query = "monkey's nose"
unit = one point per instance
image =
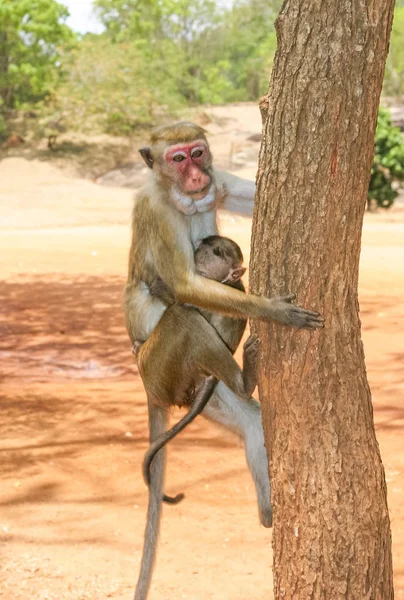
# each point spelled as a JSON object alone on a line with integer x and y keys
{"x": 196, "y": 180}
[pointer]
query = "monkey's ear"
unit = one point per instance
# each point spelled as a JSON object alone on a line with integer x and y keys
{"x": 236, "y": 274}
{"x": 147, "y": 156}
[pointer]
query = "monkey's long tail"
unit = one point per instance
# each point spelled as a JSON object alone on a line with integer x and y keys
{"x": 197, "y": 407}
{"x": 157, "y": 424}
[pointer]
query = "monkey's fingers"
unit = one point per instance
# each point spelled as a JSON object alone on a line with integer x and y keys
{"x": 290, "y": 314}
{"x": 303, "y": 311}
{"x": 315, "y": 325}
{"x": 306, "y": 321}
{"x": 289, "y": 298}
{"x": 309, "y": 322}
{"x": 307, "y": 313}
{"x": 221, "y": 193}
{"x": 173, "y": 500}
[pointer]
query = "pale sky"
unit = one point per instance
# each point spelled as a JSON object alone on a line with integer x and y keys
{"x": 82, "y": 18}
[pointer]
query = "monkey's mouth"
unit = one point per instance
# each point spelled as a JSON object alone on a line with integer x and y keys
{"x": 202, "y": 192}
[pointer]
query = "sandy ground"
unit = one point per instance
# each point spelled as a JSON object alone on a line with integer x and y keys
{"x": 74, "y": 425}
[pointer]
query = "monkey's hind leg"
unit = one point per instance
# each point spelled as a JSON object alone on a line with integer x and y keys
{"x": 197, "y": 407}
{"x": 157, "y": 425}
{"x": 244, "y": 419}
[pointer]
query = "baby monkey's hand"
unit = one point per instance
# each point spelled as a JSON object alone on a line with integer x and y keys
{"x": 158, "y": 289}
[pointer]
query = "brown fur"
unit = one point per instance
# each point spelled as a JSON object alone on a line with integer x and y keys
{"x": 178, "y": 133}
{"x": 184, "y": 347}
{"x": 189, "y": 343}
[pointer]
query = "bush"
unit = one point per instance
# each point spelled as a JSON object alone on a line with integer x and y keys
{"x": 31, "y": 34}
{"x": 388, "y": 165}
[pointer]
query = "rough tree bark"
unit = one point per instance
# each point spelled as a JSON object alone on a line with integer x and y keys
{"x": 331, "y": 534}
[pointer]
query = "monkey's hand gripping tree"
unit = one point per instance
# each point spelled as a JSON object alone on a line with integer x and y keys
{"x": 331, "y": 535}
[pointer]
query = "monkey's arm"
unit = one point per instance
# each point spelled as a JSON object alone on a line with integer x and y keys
{"x": 240, "y": 193}
{"x": 173, "y": 259}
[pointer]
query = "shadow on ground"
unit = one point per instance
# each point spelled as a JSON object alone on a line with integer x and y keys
{"x": 71, "y": 329}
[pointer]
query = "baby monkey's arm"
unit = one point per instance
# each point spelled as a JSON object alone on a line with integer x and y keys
{"x": 160, "y": 290}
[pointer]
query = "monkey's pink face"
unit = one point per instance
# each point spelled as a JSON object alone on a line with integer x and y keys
{"x": 188, "y": 165}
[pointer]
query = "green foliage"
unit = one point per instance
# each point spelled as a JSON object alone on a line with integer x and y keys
{"x": 212, "y": 54}
{"x": 155, "y": 20}
{"x": 31, "y": 32}
{"x": 249, "y": 44}
{"x": 388, "y": 165}
{"x": 163, "y": 55}
{"x": 109, "y": 87}
{"x": 394, "y": 74}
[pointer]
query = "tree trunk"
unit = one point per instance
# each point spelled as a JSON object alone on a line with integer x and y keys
{"x": 331, "y": 534}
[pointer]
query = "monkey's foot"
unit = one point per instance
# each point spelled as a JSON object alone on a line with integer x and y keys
{"x": 250, "y": 363}
{"x": 252, "y": 344}
{"x": 266, "y": 518}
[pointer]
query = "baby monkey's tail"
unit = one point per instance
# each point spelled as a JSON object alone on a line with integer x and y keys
{"x": 197, "y": 407}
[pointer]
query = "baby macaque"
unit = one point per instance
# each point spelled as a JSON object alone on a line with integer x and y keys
{"x": 190, "y": 343}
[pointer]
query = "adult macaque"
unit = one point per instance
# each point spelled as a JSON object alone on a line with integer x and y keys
{"x": 172, "y": 214}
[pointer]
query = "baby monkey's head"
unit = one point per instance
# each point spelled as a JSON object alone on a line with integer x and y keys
{"x": 219, "y": 258}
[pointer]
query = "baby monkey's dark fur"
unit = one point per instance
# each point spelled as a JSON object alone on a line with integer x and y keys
{"x": 201, "y": 344}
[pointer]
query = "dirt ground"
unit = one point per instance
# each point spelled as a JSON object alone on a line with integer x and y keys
{"x": 73, "y": 412}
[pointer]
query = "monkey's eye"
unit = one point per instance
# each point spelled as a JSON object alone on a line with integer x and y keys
{"x": 216, "y": 251}
{"x": 196, "y": 153}
{"x": 178, "y": 157}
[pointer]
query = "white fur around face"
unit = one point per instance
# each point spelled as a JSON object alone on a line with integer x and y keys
{"x": 188, "y": 206}
{"x": 207, "y": 203}
{"x": 183, "y": 203}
